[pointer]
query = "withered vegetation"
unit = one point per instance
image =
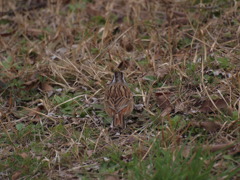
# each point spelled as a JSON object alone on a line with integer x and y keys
{"x": 181, "y": 59}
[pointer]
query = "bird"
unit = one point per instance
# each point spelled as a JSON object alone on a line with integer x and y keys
{"x": 118, "y": 100}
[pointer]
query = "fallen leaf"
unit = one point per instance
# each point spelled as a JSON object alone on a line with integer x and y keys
{"x": 207, "y": 106}
{"x": 24, "y": 155}
{"x": 46, "y": 87}
{"x": 210, "y": 126}
{"x": 16, "y": 175}
{"x": 166, "y": 111}
{"x": 163, "y": 102}
{"x": 195, "y": 124}
{"x": 89, "y": 153}
{"x": 180, "y": 21}
{"x": 111, "y": 177}
{"x": 218, "y": 147}
{"x": 34, "y": 32}
{"x": 31, "y": 82}
{"x": 33, "y": 111}
{"x": 163, "y": 99}
{"x": 179, "y": 14}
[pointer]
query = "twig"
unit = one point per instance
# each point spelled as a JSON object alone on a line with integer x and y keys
{"x": 150, "y": 146}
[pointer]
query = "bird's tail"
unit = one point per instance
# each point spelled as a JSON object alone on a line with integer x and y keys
{"x": 118, "y": 121}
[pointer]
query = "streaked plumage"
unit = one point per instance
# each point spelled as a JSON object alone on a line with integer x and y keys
{"x": 118, "y": 101}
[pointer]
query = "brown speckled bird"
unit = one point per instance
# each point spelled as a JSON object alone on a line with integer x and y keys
{"x": 118, "y": 101}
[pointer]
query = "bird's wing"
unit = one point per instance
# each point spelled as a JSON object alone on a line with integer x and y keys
{"x": 118, "y": 97}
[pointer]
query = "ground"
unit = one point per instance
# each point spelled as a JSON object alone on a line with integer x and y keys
{"x": 181, "y": 60}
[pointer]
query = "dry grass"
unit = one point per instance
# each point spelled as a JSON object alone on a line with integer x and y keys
{"x": 180, "y": 59}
